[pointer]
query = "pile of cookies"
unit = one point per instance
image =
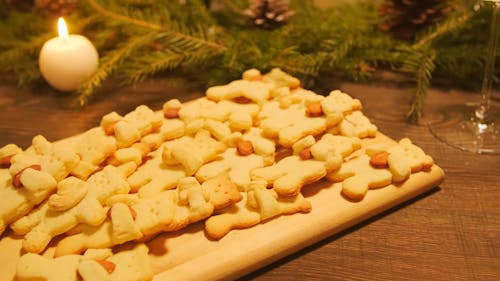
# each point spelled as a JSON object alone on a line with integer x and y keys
{"x": 237, "y": 157}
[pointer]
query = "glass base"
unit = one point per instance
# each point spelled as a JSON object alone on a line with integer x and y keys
{"x": 458, "y": 127}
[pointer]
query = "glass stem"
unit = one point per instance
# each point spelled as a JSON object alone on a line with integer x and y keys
{"x": 482, "y": 109}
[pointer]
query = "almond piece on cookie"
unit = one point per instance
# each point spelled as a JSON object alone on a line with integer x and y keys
{"x": 358, "y": 176}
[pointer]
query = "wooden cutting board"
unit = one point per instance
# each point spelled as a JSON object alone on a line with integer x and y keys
{"x": 189, "y": 255}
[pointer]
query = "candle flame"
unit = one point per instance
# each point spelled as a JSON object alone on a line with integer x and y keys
{"x": 62, "y": 28}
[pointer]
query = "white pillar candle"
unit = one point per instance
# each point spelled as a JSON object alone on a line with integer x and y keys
{"x": 67, "y": 60}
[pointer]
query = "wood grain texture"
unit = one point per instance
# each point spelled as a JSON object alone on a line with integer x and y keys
{"x": 449, "y": 233}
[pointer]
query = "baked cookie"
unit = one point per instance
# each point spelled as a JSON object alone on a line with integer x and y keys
{"x": 259, "y": 204}
{"x": 40, "y": 227}
{"x": 192, "y": 152}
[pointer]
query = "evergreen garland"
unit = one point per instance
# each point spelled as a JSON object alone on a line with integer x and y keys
{"x": 138, "y": 39}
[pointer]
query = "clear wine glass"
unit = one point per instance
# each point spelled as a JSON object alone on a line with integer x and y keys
{"x": 478, "y": 128}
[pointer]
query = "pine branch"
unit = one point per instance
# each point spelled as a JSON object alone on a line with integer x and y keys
{"x": 338, "y": 50}
{"x": 422, "y": 61}
{"x": 419, "y": 63}
{"x": 157, "y": 63}
{"x": 123, "y": 18}
{"x": 25, "y": 67}
{"x": 443, "y": 28}
{"x": 163, "y": 61}
{"x": 142, "y": 38}
{"x": 108, "y": 64}
{"x": 155, "y": 27}
{"x": 306, "y": 66}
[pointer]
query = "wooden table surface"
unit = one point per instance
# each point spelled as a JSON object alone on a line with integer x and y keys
{"x": 450, "y": 233}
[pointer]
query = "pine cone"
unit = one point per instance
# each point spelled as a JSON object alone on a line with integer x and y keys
{"x": 405, "y": 18}
{"x": 55, "y": 8}
{"x": 269, "y": 13}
